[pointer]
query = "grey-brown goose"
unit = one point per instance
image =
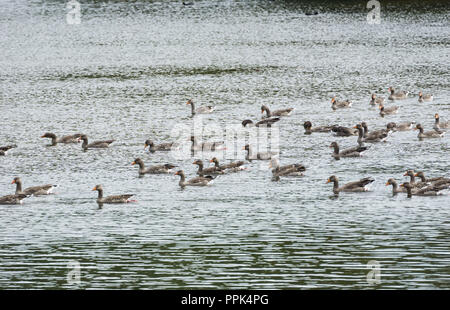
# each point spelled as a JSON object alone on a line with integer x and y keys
{"x": 197, "y": 181}
{"x": 425, "y": 97}
{"x": 15, "y": 199}
{"x": 268, "y": 122}
{"x": 96, "y": 144}
{"x": 164, "y": 147}
{"x": 113, "y": 198}
{"x": 341, "y": 131}
{"x": 4, "y": 149}
{"x": 395, "y": 188}
{"x": 156, "y": 169}
{"x": 282, "y": 112}
{"x": 382, "y": 133}
{"x": 357, "y": 186}
{"x": 425, "y": 191}
{"x": 388, "y": 111}
{"x": 376, "y": 100}
{"x": 258, "y": 155}
{"x": 231, "y": 167}
{"x": 412, "y": 180}
{"x": 206, "y": 146}
{"x": 34, "y": 190}
{"x": 428, "y": 134}
{"x": 369, "y": 139}
{"x": 340, "y": 104}
{"x": 277, "y": 173}
{"x": 286, "y": 170}
{"x": 201, "y": 110}
{"x": 309, "y": 129}
{"x": 65, "y": 139}
{"x": 436, "y": 180}
{"x": 401, "y": 126}
{"x": 206, "y": 171}
{"x": 350, "y": 152}
{"x": 397, "y": 95}
{"x": 438, "y": 124}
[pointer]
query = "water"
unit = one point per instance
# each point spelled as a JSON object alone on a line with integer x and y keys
{"x": 126, "y": 72}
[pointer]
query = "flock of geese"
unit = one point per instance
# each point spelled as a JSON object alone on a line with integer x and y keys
{"x": 206, "y": 175}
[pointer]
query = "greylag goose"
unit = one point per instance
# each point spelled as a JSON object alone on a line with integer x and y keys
{"x": 268, "y": 122}
{"x": 341, "y": 131}
{"x": 259, "y": 155}
{"x": 369, "y": 139}
{"x": 197, "y": 181}
{"x": 65, "y": 139}
{"x": 425, "y": 191}
{"x": 34, "y": 190}
{"x": 401, "y": 126}
{"x": 113, "y": 198}
{"x": 206, "y": 146}
{"x": 428, "y": 134}
{"x": 397, "y": 95}
{"x": 426, "y": 97}
{"x": 376, "y": 100}
{"x": 275, "y": 164}
{"x": 231, "y": 167}
{"x": 157, "y": 169}
{"x": 96, "y": 144}
{"x": 388, "y": 111}
{"x": 412, "y": 181}
{"x": 436, "y": 180}
{"x": 357, "y": 186}
{"x": 200, "y": 110}
{"x": 350, "y": 152}
{"x": 164, "y": 147}
{"x": 395, "y": 188}
{"x": 290, "y": 172}
{"x": 309, "y": 129}
{"x": 377, "y": 133}
{"x": 206, "y": 171}
{"x": 4, "y": 149}
{"x": 282, "y": 112}
{"x": 340, "y": 104}
{"x": 438, "y": 125}
{"x": 12, "y": 199}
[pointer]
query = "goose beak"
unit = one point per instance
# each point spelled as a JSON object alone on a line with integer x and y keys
{"x": 402, "y": 185}
{"x": 95, "y": 188}
{"x": 176, "y": 173}
{"x": 133, "y": 163}
{"x": 355, "y": 127}
{"x": 13, "y": 181}
{"x": 211, "y": 160}
{"x": 328, "y": 181}
{"x": 42, "y": 136}
{"x": 387, "y": 183}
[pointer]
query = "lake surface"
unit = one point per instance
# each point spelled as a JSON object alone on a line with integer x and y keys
{"x": 125, "y": 73}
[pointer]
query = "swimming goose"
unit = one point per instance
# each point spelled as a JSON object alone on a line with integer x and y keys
{"x": 340, "y": 104}
{"x": 96, "y": 144}
{"x": 425, "y": 191}
{"x": 369, "y": 139}
{"x": 412, "y": 181}
{"x": 357, "y": 186}
{"x": 268, "y": 122}
{"x": 395, "y": 188}
{"x": 206, "y": 146}
{"x": 401, "y": 126}
{"x": 376, "y": 100}
{"x": 4, "y": 149}
{"x": 428, "y": 134}
{"x": 341, "y": 131}
{"x": 200, "y": 110}
{"x": 164, "y": 147}
{"x": 197, "y": 181}
{"x": 15, "y": 199}
{"x": 113, "y": 198}
{"x": 309, "y": 129}
{"x": 289, "y": 172}
{"x": 34, "y": 190}
{"x": 259, "y": 155}
{"x": 286, "y": 170}
{"x": 436, "y": 180}
{"x": 438, "y": 125}
{"x": 397, "y": 95}
{"x": 282, "y": 112}
{"x": 426, "y": 97}
{"x": 206, "y": 171}
{"x": 65, "y": 139}
{"x": 377, "y": 133}
{"x": 350, "y": 152}
{"x": 388, "y": 111}
{"x": 156, "y": 169}
{"x": 231, "y": 167}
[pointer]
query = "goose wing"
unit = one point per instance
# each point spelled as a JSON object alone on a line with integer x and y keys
{"x": 100, "y": 144}
{"x": 117, "y": 198}
{"x": 361, "y": 185}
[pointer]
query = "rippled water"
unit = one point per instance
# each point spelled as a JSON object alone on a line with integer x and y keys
{"x": 126, "y": 72}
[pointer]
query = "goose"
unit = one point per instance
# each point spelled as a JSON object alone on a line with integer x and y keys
{"x": 412, "y": 181}
{"x": 395, "y": 188}
{"x": 439, "y": 125}
{"x": 376, "y": 100}
{"x": 341, "y": 131}
{"x": 426, "y": 97}
{"x": 369, "y": 139}
{"x": 4, "y": 149}
{"x": 200, "y": 110}
{"x": 65, "y": 139}
{"x": 96, "y": 144}
{"x": 286, "y": 170}
{"x": 197, "y": 181}
{"x": 113, "y": 198}
{"x": 401, "y": 126}
{"x": 157, "y": 169}
{"x": 206, "y": 171}
{"x": 15, "y": 199}
{"x": 290, "y": 172}
{"x": 206, "y": 146}
{"x": 259, "y": 155}
{"x": 426, "y": 191}
{"x": 351, "y": 152}
{"x": 340, "y": 104}
{"x": 387, "y": 111}
{"x": 309, "y": 129}
{"x": 434, "y": 181}
{"x": 282, "y": 112}
{"x": 357, "y": 186}
{"x": 268, "y": 122}
{"x": 428, "y": 134}
{"x": 164, "y": 147}
{"x": 377, "y": 133}
{"x": 231, "y": 167}
{"x": 397, "y": 95}
{"x": 34, "y": 190}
